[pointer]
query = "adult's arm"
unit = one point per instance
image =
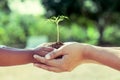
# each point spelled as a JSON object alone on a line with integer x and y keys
{"x": 109, "y": 56}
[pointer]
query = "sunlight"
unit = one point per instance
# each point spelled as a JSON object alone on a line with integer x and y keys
{"x": 33, "y": 7}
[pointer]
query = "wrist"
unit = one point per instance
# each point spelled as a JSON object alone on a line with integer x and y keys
{"x": 88, "y": 51}
{"x": 31, "y": 53}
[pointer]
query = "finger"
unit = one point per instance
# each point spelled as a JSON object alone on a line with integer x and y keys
{"x": 53, "y": 62}
{"x": 61, "y": 64}
{"x": 54, "y": 54}
{"x": 42, "y": 53}
{"x": 39, "y": 58}
{"x": 47, "y": 49}
{"x": 43, "y": 50}
{"x": 46, "y": 67}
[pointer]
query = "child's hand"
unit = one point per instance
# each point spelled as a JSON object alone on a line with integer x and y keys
{"x": 42, "y": 51}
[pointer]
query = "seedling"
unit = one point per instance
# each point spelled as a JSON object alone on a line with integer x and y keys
{"x": 57, "y": 20}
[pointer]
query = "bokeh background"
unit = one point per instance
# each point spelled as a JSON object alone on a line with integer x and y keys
{"x": 24, "y": 24}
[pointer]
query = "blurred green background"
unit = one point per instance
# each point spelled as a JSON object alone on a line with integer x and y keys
{"x": 90, "y": 21}
{"x": 24, "y": 24}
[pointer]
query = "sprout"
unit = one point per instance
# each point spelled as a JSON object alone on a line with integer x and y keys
{"x": 56, "y": 20}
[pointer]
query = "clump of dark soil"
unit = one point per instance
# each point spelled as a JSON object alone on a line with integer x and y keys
{"x": 55, "y": 45}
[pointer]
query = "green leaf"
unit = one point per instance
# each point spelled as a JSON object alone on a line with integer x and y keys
{"x": 56, "y": 20}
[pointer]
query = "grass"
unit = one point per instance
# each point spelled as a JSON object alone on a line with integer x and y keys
{"x": 82, "y": 72}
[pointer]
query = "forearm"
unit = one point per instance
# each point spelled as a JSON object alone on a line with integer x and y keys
{"x": 13, "y": 56}
{"x": 106, "y": 56}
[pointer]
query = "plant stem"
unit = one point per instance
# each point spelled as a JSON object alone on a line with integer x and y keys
{"x": 58, "y": 33}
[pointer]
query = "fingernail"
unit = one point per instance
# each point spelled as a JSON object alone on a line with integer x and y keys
{"x": 35, "y": 56}
{"x": 54, "y": 50}
{"x": 47, "y": 56}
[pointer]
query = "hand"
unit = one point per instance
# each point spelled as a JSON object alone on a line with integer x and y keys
{"x": 42, "y": 51}
{"x": 72, "y": 55}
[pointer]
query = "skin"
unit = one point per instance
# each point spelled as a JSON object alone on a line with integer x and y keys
{"x": 14, "y": 56}
{"x": 73, "y": 54}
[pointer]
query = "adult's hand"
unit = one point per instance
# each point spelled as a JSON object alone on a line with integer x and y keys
{"x": 72, "y": 55}
{"x": 75, "y": 53}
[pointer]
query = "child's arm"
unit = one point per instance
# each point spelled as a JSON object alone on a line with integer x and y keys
{"x": 14, "y": 56}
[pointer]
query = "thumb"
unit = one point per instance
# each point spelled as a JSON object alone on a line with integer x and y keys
{"x": 54, "y": 54}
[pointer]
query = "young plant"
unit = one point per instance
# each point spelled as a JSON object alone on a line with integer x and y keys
{"x": 57, "y": 20}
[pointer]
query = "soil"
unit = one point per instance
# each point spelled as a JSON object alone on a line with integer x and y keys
{"x": 55, "y": 45}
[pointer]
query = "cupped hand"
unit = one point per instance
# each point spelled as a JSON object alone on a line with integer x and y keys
{"x": 72, "y": 55}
